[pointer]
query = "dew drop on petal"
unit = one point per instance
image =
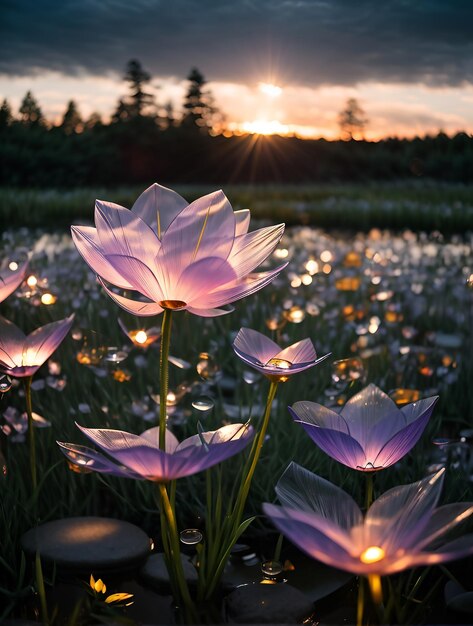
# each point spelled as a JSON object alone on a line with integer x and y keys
{"x": 203, "y": 404}
{"x": 191, "y": 536}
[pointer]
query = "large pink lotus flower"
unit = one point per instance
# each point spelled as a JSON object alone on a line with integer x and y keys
{"x": 139, "y": 456}
{"x": 11, "y": 279}
{"x": 22, "y": 355}
{"x": 196, "y": 257}
{"x": 258, "y": 351}
{"x": 402, "y": 528}
{"x": 370, "y": 432}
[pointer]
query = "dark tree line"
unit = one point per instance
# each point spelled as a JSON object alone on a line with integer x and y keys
{"x": 146, "y": 141}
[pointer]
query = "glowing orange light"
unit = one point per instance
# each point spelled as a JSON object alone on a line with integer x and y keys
{"x": 373, "y": 554}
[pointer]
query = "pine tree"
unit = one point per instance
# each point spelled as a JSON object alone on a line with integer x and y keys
{"x": 6, "y": 116}
{"x": 72, "y": 121}
{"x": 30, "y": 111}
{"x": 199, "y": 109}
{"x": 138, "y": 99}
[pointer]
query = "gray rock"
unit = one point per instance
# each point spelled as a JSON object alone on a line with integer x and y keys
{"x": 155, "y": 574}
{"x": 268, "y": 604}
{"x": 88, "y": 543}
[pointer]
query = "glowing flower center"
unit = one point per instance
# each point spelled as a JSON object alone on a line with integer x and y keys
{"x": 280, "y": 364}
{"x": 173, "y": 305}
{"x": 141, "y": 337}
{"x": 373, "y": 554}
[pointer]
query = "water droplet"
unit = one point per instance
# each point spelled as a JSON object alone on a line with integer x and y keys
{"x": 113, "y": 355}
{"x": 206, "y": 366}
{"x": 203, "y": 404}
{"x": 251, "y": 377}
{"x": 271, "y": 569}
{"x": 5, "y": 383}
{"x": 191, "y": 536}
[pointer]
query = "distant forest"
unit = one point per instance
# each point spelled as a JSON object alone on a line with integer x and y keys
{"x": 144, "y": 142}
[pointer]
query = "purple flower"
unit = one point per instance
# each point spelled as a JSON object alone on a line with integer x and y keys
{"x": 402, "y": 528}
{"x": 370, "y": 432}
{"x": 264, "y": 355}
{"x": 11, "y": 279}
{"x": 22, "y": 355}
{"x": 139, "y": 456}
{"x": 196, "y": 257}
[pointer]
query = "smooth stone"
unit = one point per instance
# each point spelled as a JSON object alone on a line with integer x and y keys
{"x": 155, "y": 573}
{"x": 268, "y": 604}
{"x": 88, "y": 543}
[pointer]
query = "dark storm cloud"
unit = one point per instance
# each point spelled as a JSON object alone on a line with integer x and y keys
{"x": 299, "y": 41}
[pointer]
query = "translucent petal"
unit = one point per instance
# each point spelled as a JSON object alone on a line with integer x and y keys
{"x": 302, "y": 490}
{"x": 414, "y": 410}
{"x": 139, "y": 275}
{"x": 365, "y": 409}
{"x": 88, "y": 244}
{"x": 152, "y": 435}
{"x": 443, "y": 520}
{"x": 92, "y": 460}
{"x": 10, "y": 280}
{"x": 250, "y": 250}
{"x": 242, "y": 221}
{"x": 251, "y": 346}
{"x": 397, "y": 519}
{"x": 206, "y": 227}
{"x": 313, "y": 541}
{"x": 239, "y": 289}
{"x": 11, "y": 343}
{"x": 300, "y": 352}
{"x": 42, "y": 342}
{"x": 122, "y": 232}
{"x": 403, "y": 441}
{"x": 209, "y": 312}
{"x": 200, "y": 278}
{"x": 318, "y": 415}
{"x": 158, "y": 206}
{"x": 135, "y": 307}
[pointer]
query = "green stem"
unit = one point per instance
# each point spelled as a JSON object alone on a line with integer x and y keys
{"x": 31, "y": 433}
{"x": 164, "y": 375}
{"x": 254, "y": 456}
{"x": 175, "y": 552}
{"x": 369, "y": 490}
{"x": 360, "y": 607}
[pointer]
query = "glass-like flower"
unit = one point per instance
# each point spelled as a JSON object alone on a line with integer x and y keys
{"x": 261, "y": 353}
{"x": 11, "y": 279}
{"x": 196, "y": 257}
{"x": 22, "y": 355}
{"x": 402, "y": 528}
{"x": 370, "y": 432}
{"x": 139, "y": 456}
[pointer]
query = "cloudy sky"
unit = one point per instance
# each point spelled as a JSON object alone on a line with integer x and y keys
{"x": 408, "y": 62}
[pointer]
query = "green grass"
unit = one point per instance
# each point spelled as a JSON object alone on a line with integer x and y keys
{"x": 420, "y": 206}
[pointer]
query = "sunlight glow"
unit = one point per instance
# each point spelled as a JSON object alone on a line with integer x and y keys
{"x": 270, "y": 90}
{"x": 265, "y": 127}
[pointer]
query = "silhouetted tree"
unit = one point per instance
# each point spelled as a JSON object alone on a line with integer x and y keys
{"x": 352, "y": 120}
{"x": 72, "y": 120}
{"x": 138, "y": 99}
{"x": 30, "y": 111}
{"x": 169, "y": 119}
{"x": 94, "y": 120}
{"x": 6, "y": 116}
{"x": 200, "y": 111}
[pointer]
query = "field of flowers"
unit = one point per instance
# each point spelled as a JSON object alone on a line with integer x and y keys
{"x": 393, "y": 308}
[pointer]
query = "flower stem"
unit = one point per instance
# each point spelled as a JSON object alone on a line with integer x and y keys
{"x": 360, "y": 607}
{"x": 164, "y": 375}
{"x": 175, "y": 553}
{"x": 369, "y": 490}
{"x": 31, "y": 434}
